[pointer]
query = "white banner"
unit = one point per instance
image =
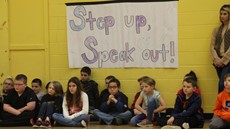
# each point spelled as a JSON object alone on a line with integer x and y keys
{"x": 118, "y": 35}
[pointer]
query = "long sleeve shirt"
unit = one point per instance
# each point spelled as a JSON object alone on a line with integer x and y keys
{"x": 119, "y": 107}
{"x": 91, "y": 89}
{"x": 222, "y": 105}
{"x": 188, "y": 107}
{"x": 84, "y": 110}
{"x": 225, "y": 55}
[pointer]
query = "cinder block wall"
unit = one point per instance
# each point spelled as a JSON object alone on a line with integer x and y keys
{"x": 37, "y": 45}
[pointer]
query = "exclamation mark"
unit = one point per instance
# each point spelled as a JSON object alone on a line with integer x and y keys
{"x": 172, "y": 50}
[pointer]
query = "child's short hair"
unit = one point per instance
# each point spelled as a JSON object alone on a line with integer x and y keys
{"x": 190, "y": 80}
{"x": 226, "y": 76}
{"x": 22, "y": 78}
{"x": 86, "y": 69}
{"x": 38, "y": 81}
{"x": 109, "y": 77}
{"x": 116, "y": 81}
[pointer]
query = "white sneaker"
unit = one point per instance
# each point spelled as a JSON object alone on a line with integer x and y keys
{"x": 185, "y": 125}
{"x": 83, "y": 123}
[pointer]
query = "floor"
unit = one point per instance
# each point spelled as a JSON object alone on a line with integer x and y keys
{"x": 96, "y": 125}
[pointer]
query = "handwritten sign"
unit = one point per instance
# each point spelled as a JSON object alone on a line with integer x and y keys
{"x": 119, "y": 35}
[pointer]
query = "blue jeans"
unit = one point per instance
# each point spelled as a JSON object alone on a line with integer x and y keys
{"x": 152, "y": 105}
{"x": 70, "y": 122}
{"x": 45, "y": 110}
{"x": 218, "y": 123}
{"x": 108, "y": 118}
{"x": 221, "y": 72}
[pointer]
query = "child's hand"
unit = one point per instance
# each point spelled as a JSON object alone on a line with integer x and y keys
{"x": 170, "y": 121}
{"x": 114, "y": 100}
{"x": 110, "y": 97}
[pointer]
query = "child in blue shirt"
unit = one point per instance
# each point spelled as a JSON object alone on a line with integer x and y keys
{"x": 187, "y": 110}
{"x": 114, "y": 110}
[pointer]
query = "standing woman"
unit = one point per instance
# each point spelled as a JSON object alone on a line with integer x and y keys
{"x": 75, "y": 106}
{"x": 220, "y": 43}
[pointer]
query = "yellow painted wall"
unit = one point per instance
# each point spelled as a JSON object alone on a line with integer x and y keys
{"x": 34, "y": 42}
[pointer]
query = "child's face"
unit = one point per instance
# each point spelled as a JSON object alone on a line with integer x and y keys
{"x": 113, "y": 88}
{"x": 19, "y": 86}
{"x": 72, "y": 88}
{"x": 141, "y": 86}
{"x": 8, "y": 84}
{"x": 36, "y": 88}
{"x": 188, "y": 89}
{"x": 147, "y": 88}
{"x": 84, "y": 76}
{"x": 51, "y": 90}
{"x": 227, "y": 83}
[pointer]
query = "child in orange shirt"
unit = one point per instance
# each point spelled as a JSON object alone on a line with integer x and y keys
{"x": 221, "y": 118}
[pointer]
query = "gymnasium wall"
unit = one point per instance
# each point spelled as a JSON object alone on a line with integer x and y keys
{"x": 33, "y": 41}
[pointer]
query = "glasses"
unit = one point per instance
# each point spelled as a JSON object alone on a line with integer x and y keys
{"x": 15, "y": 84}
{"x": 113, "y": 87}
{"x": 7, "y": 83}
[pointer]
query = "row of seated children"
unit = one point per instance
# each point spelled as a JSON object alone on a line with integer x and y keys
{"x": 149, "y": 104}
{"x": 20, "y": 105}
{"x": 181, "y": 110}
{"x": 148, "y": 92}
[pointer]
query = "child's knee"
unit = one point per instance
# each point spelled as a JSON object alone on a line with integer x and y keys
{"x": 133, "y": 122}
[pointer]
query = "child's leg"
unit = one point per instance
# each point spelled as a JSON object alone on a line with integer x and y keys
{"x": 42, "y": 110}
{"x": 137, "y": 119}
{"x": 78, "y": 119}
{"x": 192, "y": 121}
{"x": 152, "y": 105}
{"x": 70, "y": 122}
{"x": 125, "y": 116}
{"x": 107, "y": 118}
{"x": 216, "y": 123}
{"x": 49, "y": 111}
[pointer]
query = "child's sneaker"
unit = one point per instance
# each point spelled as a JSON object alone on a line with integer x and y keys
{"x": 37, "y": 124}
{"x": 185, "y": 125}
{"x": 83, "y": 123}
{"x": 46, "y": 124}
{"x": 145, "y": 123}
{"x": 32, "y": 121}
